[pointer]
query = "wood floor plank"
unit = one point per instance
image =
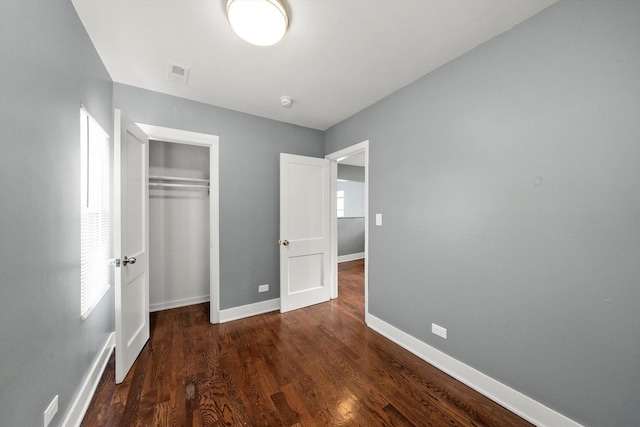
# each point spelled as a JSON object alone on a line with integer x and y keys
{"x": 316, "y": 366}
{"x": 179, "y": 387}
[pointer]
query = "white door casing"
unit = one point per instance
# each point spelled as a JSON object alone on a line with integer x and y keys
{"x": 305, "y": 233}
{"x": 131, "y": 238}
{"x": 178, "y": 136}
{"x": 362, "y": 147}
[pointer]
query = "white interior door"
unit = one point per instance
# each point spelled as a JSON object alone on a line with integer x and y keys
{"x": 131, "y": 160}
{"x": 305, "y": 234}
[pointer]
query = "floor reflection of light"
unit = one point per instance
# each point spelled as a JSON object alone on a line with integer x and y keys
{"x": 345, "y": 408}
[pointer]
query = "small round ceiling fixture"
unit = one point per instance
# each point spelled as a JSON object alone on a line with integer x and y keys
{"x": 259, "y": 22}
{"x": 286, "y": 101}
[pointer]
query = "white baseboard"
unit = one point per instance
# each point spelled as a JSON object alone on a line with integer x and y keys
{"x": 524, "y": 406}
{"x": 81, "y": 402}
{"x": 350, "y": 257}
{"x": 249, "y": 310}
{"x": 178, "y": 303}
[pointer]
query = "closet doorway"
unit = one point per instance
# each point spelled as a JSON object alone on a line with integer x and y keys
{"x": 183, "y": 219}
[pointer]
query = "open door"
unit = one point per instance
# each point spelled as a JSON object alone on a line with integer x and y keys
{"x": 131, "y": 213}
{"x": 305, "y": 234}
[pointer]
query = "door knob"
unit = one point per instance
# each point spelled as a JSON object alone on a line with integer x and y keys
{"x": 128, "y": 260}
{"x": 284, "y": 242}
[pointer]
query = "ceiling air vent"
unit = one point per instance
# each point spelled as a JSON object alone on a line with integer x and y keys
{"x": 177, "y": 73}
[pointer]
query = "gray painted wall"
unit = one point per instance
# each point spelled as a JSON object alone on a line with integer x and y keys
{"x": 516, "y": 167}
{"x": 48, "y": 67}
{"x": 350, "y": 172}
{"x": 350, "y": 236}
{"x": 249, "y": 182}
{"x": 178, "y": 227}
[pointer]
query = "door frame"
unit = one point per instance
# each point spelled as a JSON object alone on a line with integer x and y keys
{"x": 178, "y": 136}
{"x": 334, "y": 158}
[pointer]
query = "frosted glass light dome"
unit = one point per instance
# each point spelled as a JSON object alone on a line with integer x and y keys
{"x": 259, "y": 22}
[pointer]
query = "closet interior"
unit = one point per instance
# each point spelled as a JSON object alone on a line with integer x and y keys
{"x": 179, "y": 239}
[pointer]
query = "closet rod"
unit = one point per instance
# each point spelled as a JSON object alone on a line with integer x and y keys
{"x": 176, "y": 178}
{"x": 167, "y": 185}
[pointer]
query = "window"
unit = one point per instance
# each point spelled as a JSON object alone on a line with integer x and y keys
{"x": 94, "y": 213}
{"x": 340, "y": 203}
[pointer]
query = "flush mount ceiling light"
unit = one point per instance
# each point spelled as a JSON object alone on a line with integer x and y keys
{"x": 259, "y": 22}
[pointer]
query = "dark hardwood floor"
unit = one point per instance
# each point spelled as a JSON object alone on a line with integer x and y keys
{"x": 316, "y": 366}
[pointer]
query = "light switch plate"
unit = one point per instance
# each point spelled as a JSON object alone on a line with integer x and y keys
{"x": 379, "y": 219}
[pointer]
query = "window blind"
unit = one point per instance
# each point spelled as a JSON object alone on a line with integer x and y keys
{"x": 94, "y": 213}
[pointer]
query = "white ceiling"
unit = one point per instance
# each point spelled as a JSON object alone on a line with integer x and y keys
{"x": 338, "y": 57}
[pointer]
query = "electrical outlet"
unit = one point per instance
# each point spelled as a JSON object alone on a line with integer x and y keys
{"x": 263, "y": 288}
{"x": 51, "y": 411}
{"x": 439, "y": 330}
